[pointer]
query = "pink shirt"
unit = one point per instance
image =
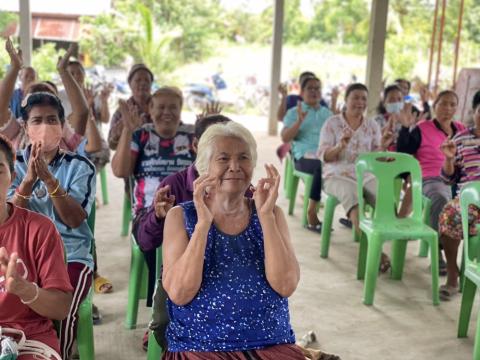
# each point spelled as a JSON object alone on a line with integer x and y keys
{"x": 429, "y": 154}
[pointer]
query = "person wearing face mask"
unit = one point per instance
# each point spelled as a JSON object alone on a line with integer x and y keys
{"x": 140, "y": 79}
{"x": 302, "y": 128}
{"x": 151, "y": 152}
{"x": 405, "y": 86}
{"x": 60, "y": 185}
{"x": 12, "y": 127}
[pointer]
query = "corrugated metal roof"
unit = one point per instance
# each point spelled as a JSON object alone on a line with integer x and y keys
{"x": 63, "y": 7}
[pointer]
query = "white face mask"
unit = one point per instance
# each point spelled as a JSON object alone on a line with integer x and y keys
{"x": 394, "y": 108}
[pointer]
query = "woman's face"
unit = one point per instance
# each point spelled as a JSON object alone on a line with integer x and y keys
{"x": 446, "y": 107}
{"x": 43, "y": 114}
{"x": 231, "y": 163}
{"x": 165, "y": 112}
{"x": 312, "y": 93}
{"x": 356, "y": 102}
{"x": 394, "y": 96}
{"x": 141, "y": 84}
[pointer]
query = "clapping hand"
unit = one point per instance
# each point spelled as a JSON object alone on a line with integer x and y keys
{"x": 31, "y": 175}
{"x": 265, "y": 193}
{"x": 301, "y": 115}
{"x": 282, "y": 89}
{"x": 14, "y": 283}
{"x": 212, "y": 108}
{"x": 41, "y": 166}
{"x": 130, "y": 116}
{"x": 163, "y": 201}
{"x": 388, "y": 133}
{"x": 449, "y": 149}
{"x": 405, "y": 116}
{"x": 62, "y": 63}
{"x": 16, "y": 60}
{"x": 346, "y": 136}
{"x": 203, "y": 189}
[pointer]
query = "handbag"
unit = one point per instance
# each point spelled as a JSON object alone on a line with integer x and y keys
{"x": 10, "y": 348}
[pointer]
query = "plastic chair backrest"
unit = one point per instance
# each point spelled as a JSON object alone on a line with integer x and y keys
{"x": 470, "y": 195}
{"x": 387, "y": 167}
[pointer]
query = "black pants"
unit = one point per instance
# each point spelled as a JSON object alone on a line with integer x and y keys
{"x": 314, "y": 167}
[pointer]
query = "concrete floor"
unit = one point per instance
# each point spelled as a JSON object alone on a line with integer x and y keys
{"x": 403, "y": 323}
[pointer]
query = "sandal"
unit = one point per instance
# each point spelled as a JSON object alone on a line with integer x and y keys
{"x": 385, "y": 264}
{"x": 345, "y": 222}
{"x": 315, "y": 228}
{"x": 447, "y": 292}
{"x": 102, "y": 285}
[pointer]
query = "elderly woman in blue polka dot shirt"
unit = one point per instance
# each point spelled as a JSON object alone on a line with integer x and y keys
{"x": 229, "y": 265}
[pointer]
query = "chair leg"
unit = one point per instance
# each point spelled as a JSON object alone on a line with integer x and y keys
{"x": 154, "y": 350}
{"x": 103, "y": 182}
{"x": 423, "y": 250}
{"x": 292, "y": 194}
{"x": 468, "y": 296}
{"x": 287, "y": 181}
{"x": 137, "y": 264}
{"x": 399, "y": 250}
{"x": 85, "y": 339}
{"x": 126, "y": 216}
{"x": 306, "y": 199}
{"x": 330, "y": 205}
{"x": 476, "y": 346}
{"x": 374, "y": 253}
{"x": 434, "y": 269}
{"x": 362, "y": 256}
{"x": 462, "y": 272}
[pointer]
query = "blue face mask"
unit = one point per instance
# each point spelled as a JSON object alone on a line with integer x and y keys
{"x": 394, "y": 108}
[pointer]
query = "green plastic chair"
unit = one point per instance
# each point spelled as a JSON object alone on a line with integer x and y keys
{"x": 427, "y": 205}
{"x": 287, "y": 176}
{"x": 126, "y": 215}
{"x": 154, "y": 351}
{"x": 85, "y": 338}
{"x": 330, "y": 205}
{"x": 137, "y": 284}
{"x": 384, "y": 225}
{"x": 103, "y": 182}
{"x": 470, "y": 195}
{"x": 292, "y": 192}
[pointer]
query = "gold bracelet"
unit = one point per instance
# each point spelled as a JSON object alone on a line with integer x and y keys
{"x": 24, "y": 197}
{"x": 56, "y": 188}
{"x": 65, "y": 194}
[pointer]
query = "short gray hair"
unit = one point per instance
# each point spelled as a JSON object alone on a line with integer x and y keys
{"x": 228, "y": 129}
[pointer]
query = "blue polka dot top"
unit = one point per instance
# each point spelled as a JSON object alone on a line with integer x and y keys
{"x": 235, "y": 308}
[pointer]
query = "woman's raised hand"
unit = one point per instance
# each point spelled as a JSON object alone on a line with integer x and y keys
{"x": 16, "y": 59}
{"x": 31, "y": 175}
{"x": 163, "y": 201}
{"x": 204, "y": 188}
{"x": 14, "y": 283}
{"x": 301, "y": 115}
{"x": 266, "y": 192}
{"x": 62, "y": 63}
{"x": 346, "y": 136}
{"x": 130, "y": 116}
{"x": 405, "y": 116}
{"x": 41, "y": 167}
{"x": 449, "y": 149}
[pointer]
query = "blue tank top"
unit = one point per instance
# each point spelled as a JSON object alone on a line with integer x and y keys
{"x": 235, "y": 308}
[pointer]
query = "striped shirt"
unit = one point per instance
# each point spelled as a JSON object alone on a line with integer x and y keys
{"x": 467, "y": 159}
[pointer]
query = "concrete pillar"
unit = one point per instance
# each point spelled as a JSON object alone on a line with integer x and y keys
{"x": 26, "y": 31}
{"x": 376, "y": 51}
{"x": 276, "y": 66}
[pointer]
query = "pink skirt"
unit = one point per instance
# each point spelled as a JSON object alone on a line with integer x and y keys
{"x": 276, "y": 352}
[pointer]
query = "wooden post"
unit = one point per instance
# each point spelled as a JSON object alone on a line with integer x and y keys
{"x": 457, "y": 43}
{"x": 25, "y": 31}
{"x": 432, "y": 44}
{"x": 440, "y": 41}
